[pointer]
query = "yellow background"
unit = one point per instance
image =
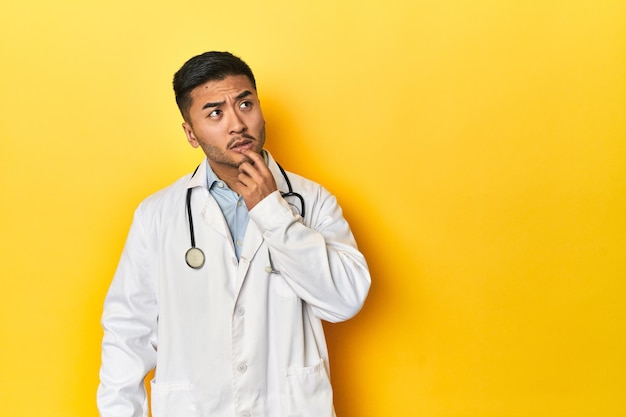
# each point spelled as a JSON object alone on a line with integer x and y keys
{"x": 478, "y": 149}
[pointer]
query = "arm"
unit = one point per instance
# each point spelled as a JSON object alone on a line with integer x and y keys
{"x": 129, "y": 321}
{"x": 320, "y": 261}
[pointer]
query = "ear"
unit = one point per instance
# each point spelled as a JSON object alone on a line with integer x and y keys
{"x": 191, "y": 137}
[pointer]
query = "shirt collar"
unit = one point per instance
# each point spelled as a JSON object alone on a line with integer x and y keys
{"x": 204, "y": 176}
{"x": 211, "y": 177}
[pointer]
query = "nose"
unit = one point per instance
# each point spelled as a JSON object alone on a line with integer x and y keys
{"x": 236, "y": 125}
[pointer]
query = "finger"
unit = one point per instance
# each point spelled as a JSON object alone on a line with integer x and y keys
{"x": 257, "y": 160}
{"x": 248, "y": 171}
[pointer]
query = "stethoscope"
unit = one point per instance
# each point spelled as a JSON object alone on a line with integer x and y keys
{"x": 194, "y": 256}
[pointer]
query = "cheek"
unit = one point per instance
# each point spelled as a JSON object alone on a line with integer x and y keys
{"x": 259, "y": 124}
{"x": 209, "y": 136}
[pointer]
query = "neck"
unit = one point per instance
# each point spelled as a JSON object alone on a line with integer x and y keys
{"x": 227, "y": 173}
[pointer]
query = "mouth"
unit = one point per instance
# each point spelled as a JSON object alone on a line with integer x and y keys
{"x": 241, "y": 145}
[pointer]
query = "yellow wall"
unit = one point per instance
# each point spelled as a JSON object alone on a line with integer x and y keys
{"x": 478, "y": 148}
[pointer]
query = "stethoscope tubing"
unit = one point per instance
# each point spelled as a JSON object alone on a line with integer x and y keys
{"x": 194, "y": 257}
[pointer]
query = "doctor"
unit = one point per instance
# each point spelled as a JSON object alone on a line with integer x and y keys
{"x": 233, "y": 327}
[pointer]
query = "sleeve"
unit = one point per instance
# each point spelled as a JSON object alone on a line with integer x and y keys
{"x": 129, "y": 322}
{"x": 319, "y": 260}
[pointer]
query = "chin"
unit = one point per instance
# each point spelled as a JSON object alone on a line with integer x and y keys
{"x": 242, "y": 160}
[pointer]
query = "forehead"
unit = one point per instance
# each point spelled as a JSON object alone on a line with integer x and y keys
{"x": 220, "y": 90}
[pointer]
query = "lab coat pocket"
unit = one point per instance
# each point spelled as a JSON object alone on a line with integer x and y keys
{"x": 173, "y": 400}
{"x": 310, "y": 393}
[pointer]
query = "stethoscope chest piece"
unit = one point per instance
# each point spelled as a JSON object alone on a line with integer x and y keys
{"x": 195, "y": 258}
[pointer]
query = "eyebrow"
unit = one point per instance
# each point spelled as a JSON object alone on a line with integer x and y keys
{"x": 219, "y": 103}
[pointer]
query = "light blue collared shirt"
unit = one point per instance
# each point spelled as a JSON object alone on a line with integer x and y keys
{"x": 233, "y": 208}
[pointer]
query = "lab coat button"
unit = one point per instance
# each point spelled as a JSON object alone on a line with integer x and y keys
{"x": 268, "y": 269}
{"x": 245, "y": 414}
{"x": 240, "y": 311}
{"x": 235, "y": 262}
{"x": 242, "y": 367}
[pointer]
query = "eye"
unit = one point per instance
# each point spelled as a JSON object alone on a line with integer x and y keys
{"x": 215, "y": 113}
{"x": 245, "y": 104}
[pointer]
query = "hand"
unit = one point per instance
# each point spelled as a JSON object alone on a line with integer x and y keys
{"x": 255, "y": 181}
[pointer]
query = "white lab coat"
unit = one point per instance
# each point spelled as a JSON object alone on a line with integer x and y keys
{"x": 233, "y": 338}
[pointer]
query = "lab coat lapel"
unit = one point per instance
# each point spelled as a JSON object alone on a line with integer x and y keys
{"x": 251, "y": 244}
{"x": 212, "y": 214}
{"x": 202, "y": 202}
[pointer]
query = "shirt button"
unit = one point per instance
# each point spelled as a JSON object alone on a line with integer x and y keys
{"x": 242, "y": 367}
{"x": 239, "y": 203}
{"x": 240, "y": 311}
{"x": 220, "y": 184}
{"x": 239, "y": 242}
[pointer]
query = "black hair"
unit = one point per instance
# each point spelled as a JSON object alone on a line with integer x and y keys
{"x": 203, "y": 68}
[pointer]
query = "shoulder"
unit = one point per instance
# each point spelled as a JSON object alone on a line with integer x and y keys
{"x": 321, "y": 205}
{"x": 164, "y": 201}
{"x": 300, "y": 184}
{"x": 308, "y": 186}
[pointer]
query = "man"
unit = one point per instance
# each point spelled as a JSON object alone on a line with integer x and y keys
{"x": 227, "y": 273}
